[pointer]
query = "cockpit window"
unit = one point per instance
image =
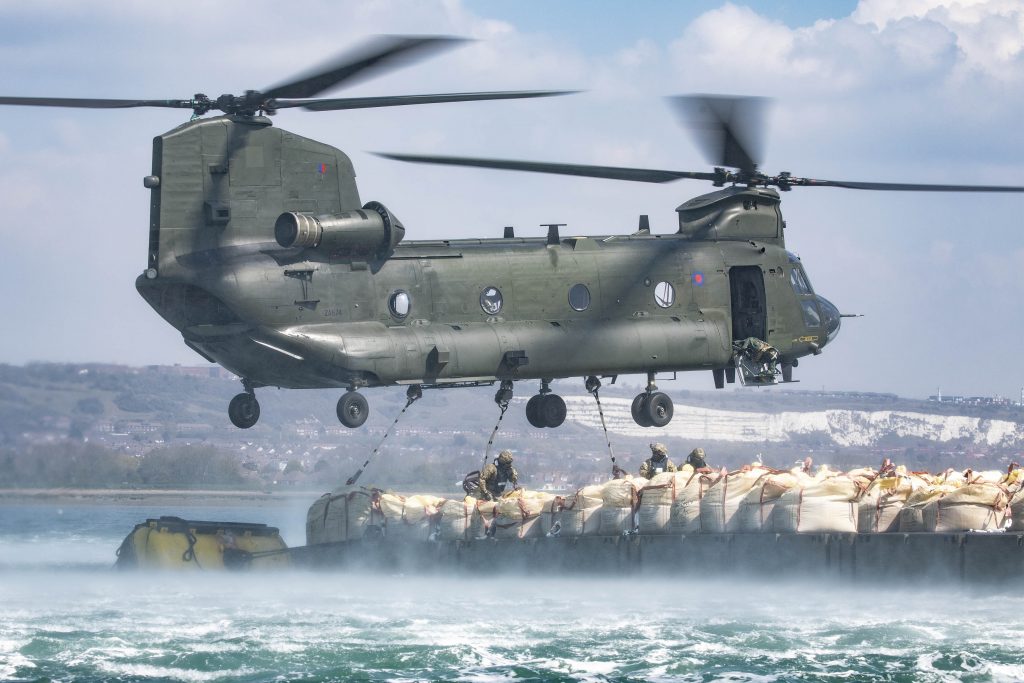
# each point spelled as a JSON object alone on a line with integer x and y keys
{"x": 811, "y": 316}
{"x": 799, "y": 280}
{"x": 830, "y": 317}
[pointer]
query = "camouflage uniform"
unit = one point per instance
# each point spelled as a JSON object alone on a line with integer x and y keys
{"x": 762, "y": 353}
{"x": 658, "y": 461}
{"x": 494, "y": 477}
{"x": 696, "y": 459}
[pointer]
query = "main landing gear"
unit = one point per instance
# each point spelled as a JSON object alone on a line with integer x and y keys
{"x": 545, "y": 409}
{"x": 353, "y": 409}
{"x": 244, "y": 409}
{"x": 652, "y": 408}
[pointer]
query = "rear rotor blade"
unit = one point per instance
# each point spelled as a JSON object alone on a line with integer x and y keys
{"x": 91, "y": 103}
{"x": 901, "y": 187}
{"x": 728, "y": 129}
{"x": 383, "y": 53}
{"x": 643, "y": 175}
{"x": 402, "y": 100}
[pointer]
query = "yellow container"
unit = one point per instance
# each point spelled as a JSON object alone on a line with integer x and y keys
{"x": 175, "y": 543}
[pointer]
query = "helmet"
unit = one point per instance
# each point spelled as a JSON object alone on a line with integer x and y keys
{"x": 659, "y": 449}
{"x": 696, "y": 458}
{"x": 505, "y": 457}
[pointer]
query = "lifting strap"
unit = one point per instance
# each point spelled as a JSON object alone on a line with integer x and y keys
{"x": 490, "y": 442}
{"x": 593, "y": 387}
{"x": 411, "y": 396}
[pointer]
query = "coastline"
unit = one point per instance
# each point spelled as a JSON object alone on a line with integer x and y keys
{"x": 185, "y": 497}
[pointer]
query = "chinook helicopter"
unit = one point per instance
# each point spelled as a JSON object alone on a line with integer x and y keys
{"x": 264, "y": 257}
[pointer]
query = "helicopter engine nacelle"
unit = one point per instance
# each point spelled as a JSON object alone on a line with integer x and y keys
{"x": 370, "y": 230}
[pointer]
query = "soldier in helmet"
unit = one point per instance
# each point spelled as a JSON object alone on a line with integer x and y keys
{"x": 696, "y": 459}
{"x": 496, "y": 475}
{"x": 657, "y": 463}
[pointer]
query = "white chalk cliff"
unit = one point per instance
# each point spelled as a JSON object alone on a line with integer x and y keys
{"x": 843, "y": 427}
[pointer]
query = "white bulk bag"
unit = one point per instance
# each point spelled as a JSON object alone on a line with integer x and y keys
{"x": 826, "y": 505}
{"x": 720, "y": 503}
{"x": 580, "y": 514}
{"x": 619, "y": 499}
{"x": 518, "y": 514}
{"x": 755, "y": 508}
{"x": 685, "y": 516}
{"x": 971, "y": 507}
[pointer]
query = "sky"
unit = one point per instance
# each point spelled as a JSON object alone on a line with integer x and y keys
{"x": 925, "y": 91}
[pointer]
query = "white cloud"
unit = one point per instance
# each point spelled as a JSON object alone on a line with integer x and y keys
{"x": 989, "y": 33}
{"x": 736, "y": 45}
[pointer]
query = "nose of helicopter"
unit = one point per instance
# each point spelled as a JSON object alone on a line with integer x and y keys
{"x": 830, "y": 318}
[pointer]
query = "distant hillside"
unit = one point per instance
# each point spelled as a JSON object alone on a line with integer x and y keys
{"x": 132, "y": 411}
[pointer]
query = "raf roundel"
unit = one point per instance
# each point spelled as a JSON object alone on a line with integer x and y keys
{"x": 698, "y": 279}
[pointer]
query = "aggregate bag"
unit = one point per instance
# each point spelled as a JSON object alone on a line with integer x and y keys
{"x": 580, "y": 514}
{"x": 519, "y": 514}
{"x": 619, "y": 499}
{"x": 483, "y": 517}
{"x": 972, "y": 507}
{"x": 912, "y": 513}
{"x": 455, "y": 519}
{"x": 986, "y": 477}
{"x": 412, "y": 518}
{"x": 685, "y": 514}
{"x": 719, "y": 505}
{"x": 878, "y": 510}
{"x": 820, "y": 505}
{"x": 654, "y": 511}
{"x": 347, "y": 514}
{"x": 315, "y": 531}
{"x": 1016, "y": 511}
{"x": 755, "y": 508}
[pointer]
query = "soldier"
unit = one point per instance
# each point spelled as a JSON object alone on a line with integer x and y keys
{"x": 762, "y": 354}
{"x": 696, "y": 459}
{"x": 495, "y": 477}
{"x": 657, "y": 463}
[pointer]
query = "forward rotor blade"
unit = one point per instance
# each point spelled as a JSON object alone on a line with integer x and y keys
{"x": 383, "y": 53}
{"x": 402, "y": 100}
{"x": 728, "y": 129}
{"x": 91, "y": 103}
{"x": 901, "y": 187}
{"x": 643, "y": 175}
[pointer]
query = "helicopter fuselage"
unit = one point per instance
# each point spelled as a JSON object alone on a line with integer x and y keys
{"x": 339, "y": 300}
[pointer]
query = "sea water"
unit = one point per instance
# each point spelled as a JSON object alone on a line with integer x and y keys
{"x": 66, "y": 615}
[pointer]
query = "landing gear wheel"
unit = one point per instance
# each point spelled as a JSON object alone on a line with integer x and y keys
{"x": 353, "y": 409}
{"x": 551, "y": 410}
{"x": 533, "y": 411}
{"x": 244, "y": 411}
{"x": 639, "y": 411}
{"x": 658, "y": 409}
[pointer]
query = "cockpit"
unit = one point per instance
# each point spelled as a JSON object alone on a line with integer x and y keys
{"x": 818, "y": 312}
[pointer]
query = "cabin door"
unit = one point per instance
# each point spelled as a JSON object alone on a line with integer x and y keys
{"x": 749, "y": 306}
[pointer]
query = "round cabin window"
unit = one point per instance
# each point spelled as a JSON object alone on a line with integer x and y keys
{"x": 490, "y": 300}
{"x": 664, "y": 294}
{"x": 399, "y": 304}
{"x": 579, "y": 297}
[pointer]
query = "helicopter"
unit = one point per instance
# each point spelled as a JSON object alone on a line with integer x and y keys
{"x": 263, "y": 256}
